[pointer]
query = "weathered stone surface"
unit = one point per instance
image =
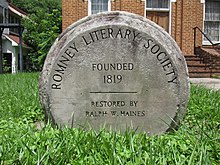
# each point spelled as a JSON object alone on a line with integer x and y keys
{"x": 117, "y": 70}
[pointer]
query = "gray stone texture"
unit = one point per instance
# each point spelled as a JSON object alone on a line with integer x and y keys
{"x": 115, "y": 70}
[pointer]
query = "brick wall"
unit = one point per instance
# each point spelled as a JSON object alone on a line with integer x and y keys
{"x": 72, "y": 11}
{"x": 133, "y": 6}
{"x": 186, "y": 14}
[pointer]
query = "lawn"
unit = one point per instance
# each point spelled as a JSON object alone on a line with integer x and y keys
{"x": 197, "y": 141}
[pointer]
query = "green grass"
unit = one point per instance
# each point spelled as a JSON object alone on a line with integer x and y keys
{"x": 19, "y": 97}
{"x": 215, "y": 76}
{"x": 197, "y": 141}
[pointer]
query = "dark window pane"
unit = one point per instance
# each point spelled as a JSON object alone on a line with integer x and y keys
{"x": 1, "y": 14}
{"x": 99, "y": 6}
{"x": 212, "y": 10}
{"x": 212, "y": 30}
{"x": 212, "y": 20}
{"x": 157, "y": 4}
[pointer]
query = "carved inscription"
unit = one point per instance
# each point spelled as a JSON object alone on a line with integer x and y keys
{"x": 117, "y": 112}
{"x": 113, "y": 73}
{"x": 110, "y": 33}
{"x": 62, "y": 64}
{"x": 107, "y": 33}
{"x": 118, "y": 71}
{"x": 113, "y": 79}
{"x": 110, "y": 78}
{"x": 164, "y": 60}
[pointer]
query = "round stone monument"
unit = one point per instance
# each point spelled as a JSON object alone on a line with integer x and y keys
{"x": 115, "y": 70}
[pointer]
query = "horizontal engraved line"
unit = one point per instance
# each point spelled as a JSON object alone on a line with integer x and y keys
{"x": 112, "y": 92}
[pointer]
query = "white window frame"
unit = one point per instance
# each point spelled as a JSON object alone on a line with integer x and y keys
{"x": 157, "y": 9}
{"x": 169, "y": 9}
{"x": 205, "y": 42}
{"x": 90, "y": 6}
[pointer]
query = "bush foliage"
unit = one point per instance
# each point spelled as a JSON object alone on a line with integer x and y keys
{"x": 42, "y": 26}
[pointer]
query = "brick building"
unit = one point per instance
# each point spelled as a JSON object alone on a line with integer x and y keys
{"x": 177, "y": 17}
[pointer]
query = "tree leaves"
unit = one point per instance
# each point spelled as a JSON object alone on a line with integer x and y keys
{"x": 43, "y": 25}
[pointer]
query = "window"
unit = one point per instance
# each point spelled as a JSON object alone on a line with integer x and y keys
{"x": 212, "y": 20}
{"x": 14, "y": 20}
{"x": 96, "y": 6}
{"x": 158, "y": 4}
{"x": 158, "y": 11}
{"x": 1, "y": 15}
{"x": 6, "y": 15}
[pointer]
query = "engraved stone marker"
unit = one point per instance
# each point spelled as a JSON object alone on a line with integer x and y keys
{"x": 116, "y": 70}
